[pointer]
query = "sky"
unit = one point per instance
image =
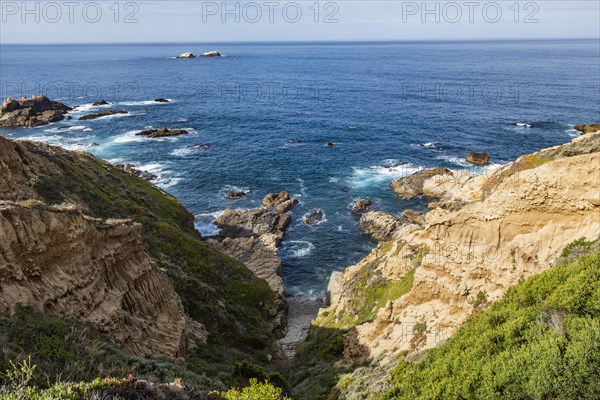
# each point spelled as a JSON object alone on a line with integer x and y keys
{"x": 153, "y": 21}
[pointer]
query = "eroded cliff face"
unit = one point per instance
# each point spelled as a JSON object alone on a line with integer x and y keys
{"x": 485, "y": 235}
{"x": 73, "y": 266}
{"x": 153, "y": 288}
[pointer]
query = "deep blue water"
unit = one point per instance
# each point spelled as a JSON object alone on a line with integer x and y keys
{"x": 382, "y": 104}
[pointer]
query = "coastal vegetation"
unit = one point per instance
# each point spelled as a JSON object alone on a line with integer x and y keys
{"x": 540, "y": 341}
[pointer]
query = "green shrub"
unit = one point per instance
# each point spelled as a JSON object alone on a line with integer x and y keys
{"x": 542, "y": 341}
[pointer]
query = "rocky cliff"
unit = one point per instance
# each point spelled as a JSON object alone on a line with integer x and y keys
{"x": 486, "y": 234}
{"x": 150, "y": 284}
{"x": 73, "y": 266}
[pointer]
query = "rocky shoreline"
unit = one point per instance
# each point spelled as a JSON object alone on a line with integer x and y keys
{"x": 254, "y": 236}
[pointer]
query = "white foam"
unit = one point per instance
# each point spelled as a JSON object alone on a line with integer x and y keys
{"x": 572, "y": 132}
{"x": 523, "y": 125}
{"x": 473, "y": 168}
{"x": 298, "y": 248}
{"x": 75, "y": 128}
{"x": 183, "y": 152}
{"x": 375, "y": 175}
{"x": 205, "y": 223}
{"x": 143, "y": 103}
{"x": 129, "y": 136}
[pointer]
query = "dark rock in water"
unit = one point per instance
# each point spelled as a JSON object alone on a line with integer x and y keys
{"x": 161, "y": 100}
{"x": 412, "y": 186}
{"x": 187, "y": 55}
{"x": 314, "y": 217}
{"x": 32, "y": 111}
{"x": 589, "y": 128}
{"x": 69, "y": 117}
{"x": 211, "y": 54}
{"x": 100, "y": 103}
{"x": 361, "y": 205}
{"x": 148, "y": 176}
{"x": 104, "y": 113}
{"x": 330, "y": 144}
{"x": 163, "y": 132}
{"x": 61, "y": 128}
{"x": 479, "y": 159}
{"x": 94, "y": 144}
{"x": 236, "y": 194}
{"x": 279, "y": 202}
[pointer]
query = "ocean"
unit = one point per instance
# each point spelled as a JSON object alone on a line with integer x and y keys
{"x": 260, "y": 118}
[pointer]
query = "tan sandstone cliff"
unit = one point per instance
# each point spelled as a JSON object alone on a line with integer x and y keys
{"x": 485, "y": 235}
{"x": 73, "y": 266}
{"x": 59, "y": 260}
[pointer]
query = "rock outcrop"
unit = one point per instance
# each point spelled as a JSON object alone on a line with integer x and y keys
{"x": 211, "y": 54}
{"x": 411, "y": 186}
{"x": 361, "y": 205}
{"x": 101, "y": 114}
{"x": 589, "y": 128}
{"x": 479, "y": 159}
{"x": 314, "y": 217}
{"x": 100, "y": 103}
{"x": 279, "y": 202}
{"x": 162, "y": 132}
{"x": 512, "y": 224}
{"x": 253, "y": 237}
{"x": 74, "y": 266}
{"x": 32, "y": 111}
{"x": 187, "y": 55}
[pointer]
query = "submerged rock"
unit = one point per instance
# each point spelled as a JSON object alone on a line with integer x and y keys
{"x": 329, "y": 144}
{"x": 236, "y": 194}
{"x": 163, "y": 132}
{"x": 361, "y": 205}
{"x": 32, "y": 111}
{"x": 314, "y": 217}
{"x": 187, "y": 55}
{"x": 211, "y": 54}
{"x": 411, "y": 186}
{"x": 479, "y": 159}
{"x": 104, "y": 113}
{"x": 161, "y": 100}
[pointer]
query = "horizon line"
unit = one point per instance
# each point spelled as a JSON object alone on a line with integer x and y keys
{"x": 349, "y": 41}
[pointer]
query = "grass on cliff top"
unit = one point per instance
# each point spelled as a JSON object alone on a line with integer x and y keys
{"x": 215, "y": 289}
{"x": 541, "y": 341}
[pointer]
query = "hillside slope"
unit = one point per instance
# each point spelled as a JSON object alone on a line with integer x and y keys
{"x": 79, "y": 193}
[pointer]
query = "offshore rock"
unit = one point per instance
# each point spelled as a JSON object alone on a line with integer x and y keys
{"x": 32, "y": 111}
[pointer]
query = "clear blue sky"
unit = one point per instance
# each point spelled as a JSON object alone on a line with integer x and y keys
{"x": 206, "y": 21}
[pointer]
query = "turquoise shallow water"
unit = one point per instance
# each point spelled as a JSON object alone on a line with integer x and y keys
{"x": 267, "y": 110}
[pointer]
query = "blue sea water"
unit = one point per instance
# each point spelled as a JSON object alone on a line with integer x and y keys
{"x": 267, "y": 111}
